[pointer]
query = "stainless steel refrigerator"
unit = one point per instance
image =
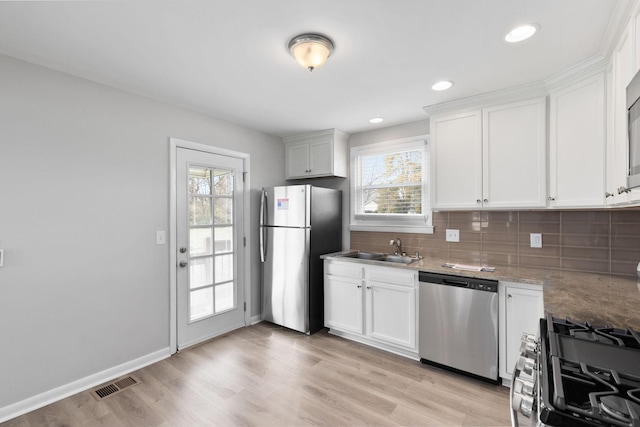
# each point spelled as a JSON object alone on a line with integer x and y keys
{"x": 298, "y": 223}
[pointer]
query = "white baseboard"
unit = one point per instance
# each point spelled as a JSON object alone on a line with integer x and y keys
{"x": 255, "y": 319}
{"x": 59, "y": 393}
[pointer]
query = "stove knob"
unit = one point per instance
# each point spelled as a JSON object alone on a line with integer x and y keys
{"x": 523, "y": 386}
{"x": 526, "y": 406}
{"x": 526, "y": 364}
{"x": 528, "y": 337}
{"x": 528, "y": 348}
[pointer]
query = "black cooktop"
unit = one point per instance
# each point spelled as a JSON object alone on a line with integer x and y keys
{"x": 590, "y": 374}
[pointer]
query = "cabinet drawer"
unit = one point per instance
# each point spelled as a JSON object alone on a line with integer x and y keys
{"x": 397, "y": 276}
{"x": 344, "y": 269}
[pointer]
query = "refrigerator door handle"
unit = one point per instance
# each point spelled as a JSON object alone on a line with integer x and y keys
{"x": 262, "y": 223}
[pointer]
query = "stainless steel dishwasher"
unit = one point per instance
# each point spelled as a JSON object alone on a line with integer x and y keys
{"x": 459, "y": 323}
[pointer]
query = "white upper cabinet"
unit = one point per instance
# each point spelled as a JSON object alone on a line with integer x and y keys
{"x": 577, "y": 138}
{"x": 317, "y": 154}
{"x": 456, "y": 161}
{"x": 625, "y": 62}
{"x": 493, "y": 158}
{"x": 514, "y": 153}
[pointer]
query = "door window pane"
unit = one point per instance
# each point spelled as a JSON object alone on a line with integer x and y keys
{"x": 200, "y": 210}
{"x": 201, "y": 303}
{"x": 224, "y": 239}
{"x": 224, "y": 268}
{"x": 200, "y": 241}
{"x": 200, "y": 272}
{"x": 199, "y": 180}
{"x": 223, "y": 210}
{"x": 223, "y": 183}
{"x": 224, "y": 297}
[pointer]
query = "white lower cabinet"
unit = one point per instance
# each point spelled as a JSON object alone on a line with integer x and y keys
{"x": 521, "y": 307}
{"x": 343, "y": 303}
{"x": 373, "y": 305}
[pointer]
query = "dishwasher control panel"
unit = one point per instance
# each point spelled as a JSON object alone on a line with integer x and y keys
{"x": 459, "y": 281}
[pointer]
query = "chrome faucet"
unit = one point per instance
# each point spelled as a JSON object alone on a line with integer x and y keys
{"x": 398, "y": 243}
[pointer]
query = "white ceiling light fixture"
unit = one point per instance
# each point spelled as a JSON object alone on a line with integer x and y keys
{"x": 311, "y": 50}
{"x": 442, "y": 85}
{"x": 521, "y": 33}
{"x": 376, "y": 120}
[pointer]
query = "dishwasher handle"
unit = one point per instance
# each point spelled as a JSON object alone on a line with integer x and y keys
{"x": 456, "y": 283}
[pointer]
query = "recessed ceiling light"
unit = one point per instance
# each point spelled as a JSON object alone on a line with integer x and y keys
{"x": 442, "y": 85}
{"x": 376, "y": 120}
{"x": 521, "y": 33}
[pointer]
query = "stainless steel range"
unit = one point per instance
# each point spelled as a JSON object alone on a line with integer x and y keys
{"x": 577, "y": 374}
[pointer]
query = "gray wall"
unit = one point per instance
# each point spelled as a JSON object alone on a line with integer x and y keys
{"x": 84, "y": 185}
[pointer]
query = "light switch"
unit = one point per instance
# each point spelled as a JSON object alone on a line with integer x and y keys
{"x": 161, "y": 237}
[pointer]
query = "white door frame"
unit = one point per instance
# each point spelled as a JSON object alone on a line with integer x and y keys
{"x": 174, "y": 144}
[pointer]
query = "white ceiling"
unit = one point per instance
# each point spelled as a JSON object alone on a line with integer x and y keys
{"x": 229, "y": 58}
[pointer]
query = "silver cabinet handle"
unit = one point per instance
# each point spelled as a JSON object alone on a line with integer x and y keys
{"x": 359, "y": 286}
{"x": 551, "y": 199}
{"x": 478, "y": 201}
{"x": 607, "y": 194}
{"x": 509, "y": 296}
{"x": 486, "y": 200}
{"x": 183, "y": 264}
{"x": 623, "y": 189}
{"x": 183, "y": 250}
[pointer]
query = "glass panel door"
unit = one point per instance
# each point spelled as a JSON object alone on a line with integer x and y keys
{"x": 209, "y": 203}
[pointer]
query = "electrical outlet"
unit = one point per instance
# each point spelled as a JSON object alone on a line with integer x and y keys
{"x": 161, "y": 237}
{"x": 536, "y": 240}
{"x": 453, "y": 235}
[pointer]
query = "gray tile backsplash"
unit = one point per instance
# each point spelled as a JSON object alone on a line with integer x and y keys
{"x": 602, "y": 241}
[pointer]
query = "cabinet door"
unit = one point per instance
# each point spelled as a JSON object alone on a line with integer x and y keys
{"x": 577, "y": 144}
{"x": 391, "y": 314}
{"x": 617, "y": 146}
{"x": 514, "y": 154}
{"x": 321, "y": 158}
{"x": 456, "y": 161}
{"x": 523, "y": 309}
{"x": 297, "y": 160}
{"x": 343, "y": 304}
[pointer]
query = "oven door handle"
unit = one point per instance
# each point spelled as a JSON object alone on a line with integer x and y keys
{"x": 514, "y": 412}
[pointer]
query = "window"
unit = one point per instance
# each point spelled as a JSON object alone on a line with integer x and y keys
{"x": 389, "y": 187}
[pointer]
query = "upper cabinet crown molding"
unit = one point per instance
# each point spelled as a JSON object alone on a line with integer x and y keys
{"x": 489, "y": 99}
{"x": 621, "y": 15}
{"x": 317, "y": 154}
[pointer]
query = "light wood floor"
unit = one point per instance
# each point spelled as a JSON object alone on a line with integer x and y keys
{"x": 265, "y": 375}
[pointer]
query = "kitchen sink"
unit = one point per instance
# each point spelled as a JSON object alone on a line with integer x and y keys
{"x": 364, "y": 255}
{"x": 398, "y": 258}
{"x": 376, "y": 256}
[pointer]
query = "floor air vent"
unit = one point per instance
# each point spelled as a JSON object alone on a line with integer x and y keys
{"x": 115, "y": 387}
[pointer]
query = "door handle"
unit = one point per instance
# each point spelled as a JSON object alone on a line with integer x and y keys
{"x": 183, "y": 264}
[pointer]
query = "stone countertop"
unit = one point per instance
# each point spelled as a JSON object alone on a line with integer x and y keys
{"x": 596, "y": 298}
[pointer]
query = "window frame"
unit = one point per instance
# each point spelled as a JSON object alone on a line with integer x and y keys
{"x": 421, "y": 223}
